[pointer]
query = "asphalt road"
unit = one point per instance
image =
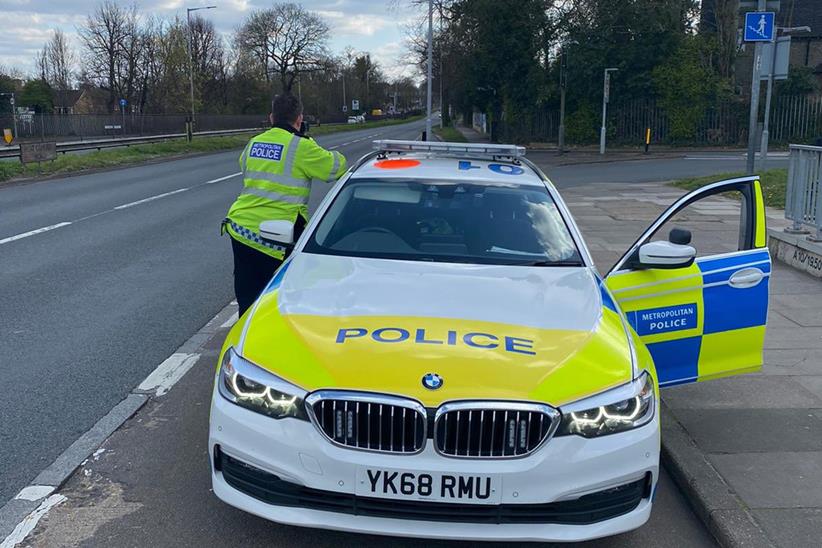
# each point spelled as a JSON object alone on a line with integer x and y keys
{"x": 90, "y": 308}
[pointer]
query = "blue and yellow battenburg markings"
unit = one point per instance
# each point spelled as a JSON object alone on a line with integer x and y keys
{"x": 695, "y": 325}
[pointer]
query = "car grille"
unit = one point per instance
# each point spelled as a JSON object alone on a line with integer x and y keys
{"x": 591, "y": 508}
{"x": 493, "y": 429}
{"x": 369, "y": 421}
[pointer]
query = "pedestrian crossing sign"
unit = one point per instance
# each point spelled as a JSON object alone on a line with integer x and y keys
{"x": 759, "y": 26}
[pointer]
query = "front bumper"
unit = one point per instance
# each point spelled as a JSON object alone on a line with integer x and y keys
{"x": 287, "y": 472}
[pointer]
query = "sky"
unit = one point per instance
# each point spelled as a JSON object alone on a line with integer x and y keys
{"x": 376, "y": 26}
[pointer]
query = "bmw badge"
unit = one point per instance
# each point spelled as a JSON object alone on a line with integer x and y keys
{"x": 432, "y": 381}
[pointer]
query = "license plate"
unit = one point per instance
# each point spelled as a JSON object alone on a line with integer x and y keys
{"x": 433, "y": 486}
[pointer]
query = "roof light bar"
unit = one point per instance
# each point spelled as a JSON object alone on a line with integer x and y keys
{"x": 461, "y": 149}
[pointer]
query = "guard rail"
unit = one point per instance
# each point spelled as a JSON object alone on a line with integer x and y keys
{"x": 803, "y": 200}
{"x": 99, "y": 144}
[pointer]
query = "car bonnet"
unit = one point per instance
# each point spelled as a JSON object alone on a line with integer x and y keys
{"x": 489, "y": 331}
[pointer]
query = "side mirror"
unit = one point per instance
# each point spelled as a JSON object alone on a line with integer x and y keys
{"x": 662, "y": 254}
{"x": 279, "y": 232}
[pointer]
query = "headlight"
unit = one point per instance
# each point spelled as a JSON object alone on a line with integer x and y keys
{"x": 254, "y": 388}
{"x": 624, "y": 414}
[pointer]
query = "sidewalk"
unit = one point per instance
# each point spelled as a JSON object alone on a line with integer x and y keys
{"x": 747, "y": 450}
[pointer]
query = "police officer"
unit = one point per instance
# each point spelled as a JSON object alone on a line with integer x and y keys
{"x": 278, "y": 166}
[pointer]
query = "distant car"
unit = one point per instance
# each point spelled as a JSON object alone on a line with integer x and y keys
{"x": 361, "y": 118}
{"x": 439, "y": 357}
{"x": 353, "y": 119}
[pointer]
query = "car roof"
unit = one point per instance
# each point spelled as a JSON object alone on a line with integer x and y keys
{"x": 451, "y": 168}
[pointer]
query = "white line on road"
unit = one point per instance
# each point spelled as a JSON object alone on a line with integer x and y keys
{"x": 32, "y": 232}
{"x": 151, "y": 198}
{"x": 230, "y": 321}
{"x": 30, "y": 522}
{"x": 168, "y": 373}
{"x": 212, "y": 181}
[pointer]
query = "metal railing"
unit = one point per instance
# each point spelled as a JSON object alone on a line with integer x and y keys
{"x": 803, "y": 199}
{"x": 99, "y": 144}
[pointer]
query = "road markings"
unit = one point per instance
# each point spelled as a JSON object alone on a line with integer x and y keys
{"x": 212, "y": 181}
{"x": 168, "y": 373}
{"x": 230, "y": 321}
{"x": 33, "y": 232}
{"x": 150, "y": 198}
{"x": 115, "y": 208}
{"x": 30, "y": 522}
{"x": 34, "y": 492}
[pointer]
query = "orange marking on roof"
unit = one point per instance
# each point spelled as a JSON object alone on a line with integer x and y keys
{"x": 396, "y": 164}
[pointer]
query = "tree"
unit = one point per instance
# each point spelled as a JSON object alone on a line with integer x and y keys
{"x": 112, "y": 49}
{"x": 287, "y": 41}
{"x": 56, "y": 62}
{"x": 37, "y": 95}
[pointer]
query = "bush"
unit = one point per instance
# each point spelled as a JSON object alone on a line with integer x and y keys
{"x": 581, "y": 126}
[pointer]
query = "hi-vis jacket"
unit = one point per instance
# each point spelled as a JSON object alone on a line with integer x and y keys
{"x": 278, "y": 166}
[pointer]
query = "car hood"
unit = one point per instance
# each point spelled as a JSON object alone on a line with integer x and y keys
{"x": 490, "y": 331}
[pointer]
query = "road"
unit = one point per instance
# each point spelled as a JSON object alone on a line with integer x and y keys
{"x": 90, "y": 308}
{"x": 104, "y": 275}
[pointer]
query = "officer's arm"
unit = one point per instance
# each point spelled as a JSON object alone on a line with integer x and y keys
{"x": 243, "y": 156}
{"x": 317, "y": 163}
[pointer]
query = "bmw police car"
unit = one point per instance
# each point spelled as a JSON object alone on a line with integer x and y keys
{"x": 438, "y": 356}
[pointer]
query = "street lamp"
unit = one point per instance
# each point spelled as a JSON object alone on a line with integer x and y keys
{"x": 763, "y": 153}
{"x": 191, "y": 56}
{"x": 13, "y": 110}
{"x": 430, "y": 47}
{"x": 606, "y": 81}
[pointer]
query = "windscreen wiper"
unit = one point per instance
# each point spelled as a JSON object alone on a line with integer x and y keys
{"x": 565, "y": 262}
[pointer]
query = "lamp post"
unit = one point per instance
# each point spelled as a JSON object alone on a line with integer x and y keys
{"x": 606, "y": 81}
{"x": 430, "y": 43}
{"x": 786, "y": 31}
{"x": 191, "y": 55}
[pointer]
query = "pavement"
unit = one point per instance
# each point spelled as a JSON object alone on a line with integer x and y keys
{"x": 128, "y": 278}
{"x": 748, "y": 449}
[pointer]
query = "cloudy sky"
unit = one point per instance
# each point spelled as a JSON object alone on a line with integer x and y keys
{"x": 378, "y": 26}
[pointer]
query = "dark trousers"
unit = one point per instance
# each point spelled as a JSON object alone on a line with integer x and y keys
{"x": 252, "y": 271}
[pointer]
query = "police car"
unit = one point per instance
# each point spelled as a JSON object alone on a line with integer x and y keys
{"x": 438, "y": 357}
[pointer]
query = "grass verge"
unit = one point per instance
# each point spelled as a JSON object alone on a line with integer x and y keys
{"x": 69, "y": 163}
{"x": 450, "y": 134}
{"x": 774, "y": 183}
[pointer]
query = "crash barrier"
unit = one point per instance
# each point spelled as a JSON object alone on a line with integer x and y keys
{"x": 803, "y": 200}
{"x": 99, "y": 144}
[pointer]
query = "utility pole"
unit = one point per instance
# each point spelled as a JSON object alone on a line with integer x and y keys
{"x": 563, "y": 75}
{"x": 430, "y": 42}
{"x": 191, "y": 56}
{"x": 753, "y": 118}
{"x": 442, "y": 71}
{"x": 606, "y": 86}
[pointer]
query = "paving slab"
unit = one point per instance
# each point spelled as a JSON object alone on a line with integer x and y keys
{"x": 794, "y": 528}
{"x": 775, "y": 479}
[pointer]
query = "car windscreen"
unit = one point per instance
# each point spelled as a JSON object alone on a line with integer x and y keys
{"x": 445, "y": 221}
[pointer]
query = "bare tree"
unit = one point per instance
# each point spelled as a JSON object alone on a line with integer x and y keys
{"x": 287, "y": 40}
{"x": 112, "y": 48}
{"x": 56, "y": 61}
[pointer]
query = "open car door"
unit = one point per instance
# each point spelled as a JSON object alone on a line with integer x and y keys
{"x": 701, "y": 317}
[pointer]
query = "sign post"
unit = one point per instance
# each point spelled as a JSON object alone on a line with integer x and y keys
{"x": 355, "y": 104}
{"x": 123, "y": 104}
{"x": 759, "y": 27}
{"x": 606, "y": 94}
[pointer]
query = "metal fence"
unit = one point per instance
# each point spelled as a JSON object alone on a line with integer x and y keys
{"x": 66, "y": 127}
{"x": 803, "y": 200}
{"x": 792, "y": 119}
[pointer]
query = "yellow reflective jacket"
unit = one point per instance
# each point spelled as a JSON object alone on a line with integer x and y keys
{"x": 278, "y": 166}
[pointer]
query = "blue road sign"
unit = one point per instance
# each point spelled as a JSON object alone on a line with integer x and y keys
{"x": 759, "y": 26}
{"x": 123, "y": 102}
